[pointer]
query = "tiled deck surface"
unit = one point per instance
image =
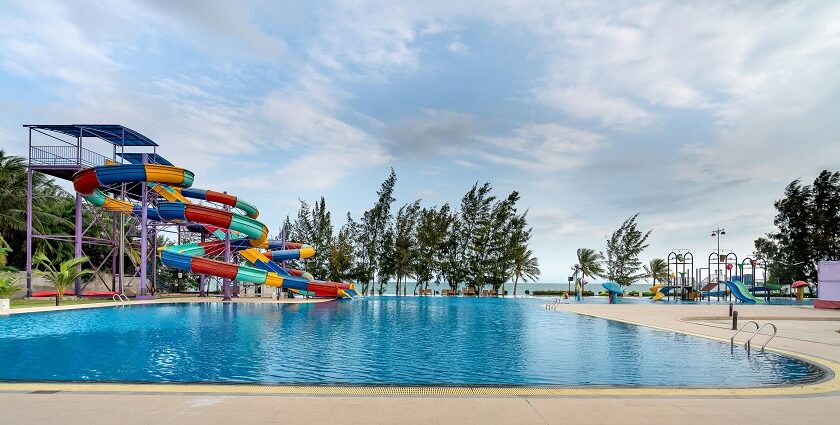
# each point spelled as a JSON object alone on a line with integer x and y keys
{"x": 817, "y": 338}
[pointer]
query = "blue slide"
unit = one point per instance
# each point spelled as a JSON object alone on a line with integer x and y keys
{"x": 742, "y": 293}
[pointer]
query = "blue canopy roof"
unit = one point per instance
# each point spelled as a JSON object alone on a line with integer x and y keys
{"x": 137, "y": 158}
{"x": 111, "y": 133}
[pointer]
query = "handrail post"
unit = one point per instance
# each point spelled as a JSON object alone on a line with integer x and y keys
{"x": 734, "y": 320}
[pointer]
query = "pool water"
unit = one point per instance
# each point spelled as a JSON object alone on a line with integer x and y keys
{"x": 377, "y": 340}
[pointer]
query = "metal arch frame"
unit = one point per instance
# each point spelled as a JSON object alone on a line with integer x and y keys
{"x": 716, "y": 255}
{"x": 756, "y": 263}
{"x": 688, "y": 258}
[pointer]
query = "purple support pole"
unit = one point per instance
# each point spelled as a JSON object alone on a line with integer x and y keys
{"x": 115, "y": 251}
{"x": 282, "y": 263}
{"x": 78, "y": 240}
{"x": 144, "y": 239}
{"x": 29, "y": 226}
{"x": 226, "y": 282}
{"x": 201, "y": 290}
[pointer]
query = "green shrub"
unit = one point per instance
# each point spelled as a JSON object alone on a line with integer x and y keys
{"x": 527, "y": 292}
{"x": 633, "y": 293}
{"x": 647, "y": 294}
{"x": 8, "y": 285}
{"x": 543, "y": 293}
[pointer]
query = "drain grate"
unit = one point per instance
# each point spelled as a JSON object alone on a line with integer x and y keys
{"x": 44, "y": 391}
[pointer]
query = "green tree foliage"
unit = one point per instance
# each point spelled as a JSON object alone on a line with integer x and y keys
{"x": 589, "y": 263}
{"x": 341, "y": 255}
{"x": 63, "y": 276}
{"x": 623, "y": 250}
{"x": 52, "y": 211}
{"x": 405, "y": 243}
{"x": 526, "y": 267}
{"x": 313, "y": 226}
{"x": 657, "y": 270}
{"x": 808, "y": 219}
{"x": 8, "y": 284}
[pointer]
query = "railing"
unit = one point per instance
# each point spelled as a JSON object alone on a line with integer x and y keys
{"x": 748, "y": 344}
{"x": 732, "y": 340}
{"x": 65, "y": 155}
{"x": 120, "y": 298}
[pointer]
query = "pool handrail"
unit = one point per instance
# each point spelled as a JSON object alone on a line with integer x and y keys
{"x": 732, "y": 340}
{"x": 748, "y": 344}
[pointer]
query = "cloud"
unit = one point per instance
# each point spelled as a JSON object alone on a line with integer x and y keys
{"x": 588, "y": 102}
{"x": 430, "y": 134}
{"x": 230, "y": 24}
{"x": 542, "y": 147}
{"x": 328, "y": 148}
{"x": 457, "y": 47}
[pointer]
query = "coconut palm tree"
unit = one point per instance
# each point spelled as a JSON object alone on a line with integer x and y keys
{"x": 657, "y": 270}
{"x": 62, "y": 277}
{"x": 526, "y": 267}
{"x": 589, "y": 263}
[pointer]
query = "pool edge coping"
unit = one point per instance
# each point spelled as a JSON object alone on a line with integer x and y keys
{"x": 830, "y": 384}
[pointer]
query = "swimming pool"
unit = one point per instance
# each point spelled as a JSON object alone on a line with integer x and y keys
{"x": 374, "y": 341}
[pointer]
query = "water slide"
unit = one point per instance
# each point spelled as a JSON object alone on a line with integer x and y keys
{"x": 614, "y": 290}
{"x": 742, "y": 293}
{"x": 657, "y": 293}
{"x": 176, "y": 183}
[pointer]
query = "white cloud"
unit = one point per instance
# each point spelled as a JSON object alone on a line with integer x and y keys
{"x": 588, "y": 102}
{"x": 457, "y": 47}
{"x": 328, "y": 148}
{"x": 542, "y": 147}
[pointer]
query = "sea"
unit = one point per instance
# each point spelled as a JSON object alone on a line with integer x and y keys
{"x": 391, "y": 287}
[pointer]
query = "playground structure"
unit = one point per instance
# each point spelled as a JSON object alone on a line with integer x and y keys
{"x": 613, "y": 290}
{"x": 723, "y": 278}
{"x": 141, "y": 190}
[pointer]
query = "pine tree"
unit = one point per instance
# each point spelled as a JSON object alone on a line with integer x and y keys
{"x": 623, "y": 250}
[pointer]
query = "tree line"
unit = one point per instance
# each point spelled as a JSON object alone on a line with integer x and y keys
{"x": 481, "y": 243}
{"x": 808, "y": 222}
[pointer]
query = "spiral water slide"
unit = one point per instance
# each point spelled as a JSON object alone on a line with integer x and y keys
{"x": 251, "y": 236}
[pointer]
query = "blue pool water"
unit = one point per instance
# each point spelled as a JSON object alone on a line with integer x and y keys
{"x": 387, "y": 340}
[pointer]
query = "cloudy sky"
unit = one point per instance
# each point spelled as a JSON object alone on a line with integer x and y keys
{"x": 695, "y": 114}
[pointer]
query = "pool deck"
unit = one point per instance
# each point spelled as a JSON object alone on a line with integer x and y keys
{"x": 167, "y": 300}
{"x": 803, "y": 330}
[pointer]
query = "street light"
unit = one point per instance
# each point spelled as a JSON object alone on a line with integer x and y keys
{"x": 717, "y": 233}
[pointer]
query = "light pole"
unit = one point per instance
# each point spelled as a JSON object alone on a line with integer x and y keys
{"x": 717, "y": 233}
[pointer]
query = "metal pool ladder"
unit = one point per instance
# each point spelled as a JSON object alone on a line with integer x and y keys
{"x": 732, "y": 340}
{"x": 120, "y": 298}
{"x": 748, "y": 342}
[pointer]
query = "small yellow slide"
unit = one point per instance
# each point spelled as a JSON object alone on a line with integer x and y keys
{"x": 657, "y": 294}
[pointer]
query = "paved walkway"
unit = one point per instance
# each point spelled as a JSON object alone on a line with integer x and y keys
{"x": 127, "y": 409}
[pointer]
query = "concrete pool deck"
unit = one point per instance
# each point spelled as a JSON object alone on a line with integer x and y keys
{"x": 802, "y": 330}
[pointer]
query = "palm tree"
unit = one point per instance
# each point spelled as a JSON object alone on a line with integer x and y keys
{"x": 8, "y": 285}
{"x": 657, "y": 270}
{"x": 62, "y": 277}
{"x": 589, "y": 263}
{"x": 13, "y": 197}
{"x": 526, "y": 267}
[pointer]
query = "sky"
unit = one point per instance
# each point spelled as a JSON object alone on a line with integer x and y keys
{"x": 693, "y": 114}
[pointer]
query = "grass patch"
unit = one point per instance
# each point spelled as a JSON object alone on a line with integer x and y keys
{"x": 47, "y": 302}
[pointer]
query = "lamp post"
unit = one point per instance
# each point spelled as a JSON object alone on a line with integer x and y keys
{"x": 718, "y": 233}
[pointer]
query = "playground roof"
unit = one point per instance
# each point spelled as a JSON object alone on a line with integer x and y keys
{"x": 137, "y": 158}
{"x": 112, "y": 133}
